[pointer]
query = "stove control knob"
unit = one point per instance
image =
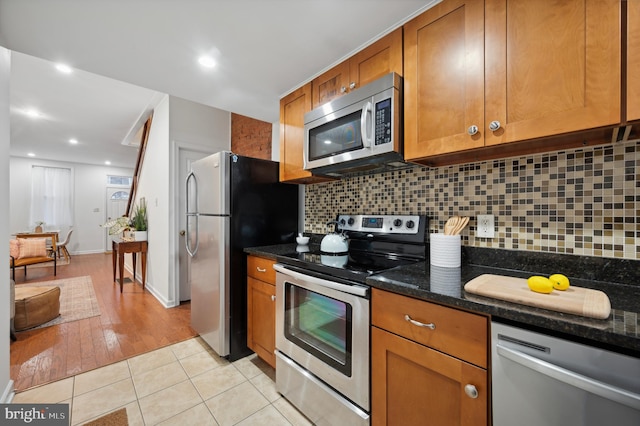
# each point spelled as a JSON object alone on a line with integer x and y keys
{"x": 342, "y": 222}
{"x": 397, "y": 223}
{"x": 351, "y": 221}
{"x": 410, "y": 224}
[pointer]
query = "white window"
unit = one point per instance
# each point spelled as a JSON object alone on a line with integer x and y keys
{"x": 51, "y": 197}
{"x": 119, "y": 180}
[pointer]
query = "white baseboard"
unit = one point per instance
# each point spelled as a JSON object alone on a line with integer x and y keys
{"x": 100, "y": 251}
{"x": 149, "y": 286}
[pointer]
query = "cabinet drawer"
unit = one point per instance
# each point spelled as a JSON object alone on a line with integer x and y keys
{"x": 457, "y": 333}
{"x": 261, "y": 268}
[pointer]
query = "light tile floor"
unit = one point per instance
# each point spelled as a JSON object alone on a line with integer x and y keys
{"x": 182, "y": 384}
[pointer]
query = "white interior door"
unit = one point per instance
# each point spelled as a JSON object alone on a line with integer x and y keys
{"x": 117, "y": 198}
{"x": 186, "y": 157}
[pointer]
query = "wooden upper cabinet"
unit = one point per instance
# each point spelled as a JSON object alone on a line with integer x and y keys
{"x": 331, "y": 84}
{"x": 443, "y": 79}
{"x": 292, "y": 110}
{"x": 531, "y": 69}
{"x": 374, "y": 61}
{"x": 633, "y": 60}
{"x": 551, "y": 67}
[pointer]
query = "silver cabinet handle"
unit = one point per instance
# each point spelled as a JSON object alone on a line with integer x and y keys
{"x": 431, "y": 325}
{"x": 259, "y": 269}
{"x": 494, "y": 125}
{"x": 343, "y": 89}
{"x": 472, "y": 130}
{"x": 471, "y": 391}
{"x": 352, "y": 85}
{"x": 273, "y": 298}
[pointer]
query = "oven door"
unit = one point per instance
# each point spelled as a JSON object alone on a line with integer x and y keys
{"x": 323, "y": 326}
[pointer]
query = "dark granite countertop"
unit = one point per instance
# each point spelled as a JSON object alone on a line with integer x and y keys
{"x": 618, "y": 278}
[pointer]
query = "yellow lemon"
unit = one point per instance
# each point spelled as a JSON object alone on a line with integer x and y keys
{"x": 560, "y": 282}
{"x": 540, "y": 284}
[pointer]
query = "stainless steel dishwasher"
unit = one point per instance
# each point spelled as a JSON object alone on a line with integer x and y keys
{"x": 542, "y": 380}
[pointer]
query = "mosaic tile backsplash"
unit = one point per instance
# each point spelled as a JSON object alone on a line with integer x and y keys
{"x": 584, "y": 201}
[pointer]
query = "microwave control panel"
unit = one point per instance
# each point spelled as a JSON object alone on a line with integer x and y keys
{"x": 383, "y": 122}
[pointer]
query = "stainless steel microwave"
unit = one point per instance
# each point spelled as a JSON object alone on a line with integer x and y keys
{"x": 359, "y": 131}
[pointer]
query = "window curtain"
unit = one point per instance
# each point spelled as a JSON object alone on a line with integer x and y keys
{"x": 51, "y": 197}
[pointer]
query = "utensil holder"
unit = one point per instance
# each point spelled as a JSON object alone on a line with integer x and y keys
{"x": 445, "y": 250}
{"x": 445, "y": 280}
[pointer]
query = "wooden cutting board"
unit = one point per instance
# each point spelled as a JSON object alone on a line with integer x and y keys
{"x": 574, "y": 300}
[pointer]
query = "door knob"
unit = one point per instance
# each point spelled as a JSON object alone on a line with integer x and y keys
{"x": 472, "y": 130}
{"x": 494, "y": 125}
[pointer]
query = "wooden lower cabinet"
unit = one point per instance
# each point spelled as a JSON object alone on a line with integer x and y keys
{"x": 412, "y": 382}
{"x": 261, "y": 308}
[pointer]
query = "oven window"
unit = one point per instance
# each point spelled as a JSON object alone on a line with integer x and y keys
{"x": 320, "y": 325}
{"x": 335, "y": 137}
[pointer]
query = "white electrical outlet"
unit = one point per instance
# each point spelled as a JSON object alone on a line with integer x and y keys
{"x": 486, "y": 226}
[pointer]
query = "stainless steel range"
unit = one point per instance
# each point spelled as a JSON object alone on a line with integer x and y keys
{"x": 323, "y": 317}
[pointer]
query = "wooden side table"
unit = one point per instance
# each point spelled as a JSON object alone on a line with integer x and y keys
{"x": 119, "y": 248}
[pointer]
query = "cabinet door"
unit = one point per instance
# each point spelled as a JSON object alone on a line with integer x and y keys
{"x": 331, "y": 84}
{"x": 444, "y": 79}
{"x": 261, "y": 311}
{"x": 551, "y": 67}
{"x": 378, "y": 59}
{"x": 412, "y": 384}
{"x": 372, "y": 62}
{"x": 633, "y": 60}
{"x": 292, "y": 110}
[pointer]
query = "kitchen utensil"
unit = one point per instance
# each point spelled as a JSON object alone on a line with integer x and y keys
{"x": 450, "y": 225}
{"x": 303, "y": 241}
{"x": 575, "y": 300}
{"x": 334, "y": 242}
{"x": 462, "y": 223}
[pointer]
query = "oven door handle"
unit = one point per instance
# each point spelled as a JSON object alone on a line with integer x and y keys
{"x": 345, "y": 288}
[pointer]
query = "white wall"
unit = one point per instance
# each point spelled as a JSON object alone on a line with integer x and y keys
{"x": 176, "y": 122}
{"x": 152, "y": 185}
{"x": 90, "y": 187}
{"x": 6, "y": 384}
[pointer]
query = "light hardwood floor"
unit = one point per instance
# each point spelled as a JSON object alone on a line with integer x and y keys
{"x": 130, "y": 324}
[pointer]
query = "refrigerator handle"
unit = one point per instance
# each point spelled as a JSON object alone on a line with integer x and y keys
{"x": 187, "y": 239}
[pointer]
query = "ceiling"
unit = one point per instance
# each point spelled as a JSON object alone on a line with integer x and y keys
{"x": 127, "y": 54}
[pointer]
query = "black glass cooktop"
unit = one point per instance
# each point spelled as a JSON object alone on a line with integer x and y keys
{"x": 355, "y": 266}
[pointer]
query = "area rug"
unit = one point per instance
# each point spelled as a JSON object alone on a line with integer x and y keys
{"x": 116, "y": 418}
{"x": 77, "y": 299}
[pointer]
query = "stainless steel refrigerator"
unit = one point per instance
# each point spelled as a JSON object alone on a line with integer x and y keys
{"x": 233, "y": 202}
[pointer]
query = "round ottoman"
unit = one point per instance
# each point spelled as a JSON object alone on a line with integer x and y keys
{"x": 35, "y": 305}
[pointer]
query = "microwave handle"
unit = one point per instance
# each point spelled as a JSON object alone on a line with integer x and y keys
{"x": 366, "y": 138}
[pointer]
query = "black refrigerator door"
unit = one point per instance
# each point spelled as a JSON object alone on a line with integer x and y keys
{"x": 263, "y": 212}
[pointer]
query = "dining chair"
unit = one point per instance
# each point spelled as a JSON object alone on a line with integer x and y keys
{"x": 63, "y": 245}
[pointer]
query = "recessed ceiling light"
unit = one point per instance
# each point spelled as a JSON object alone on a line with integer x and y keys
{"x": 63, "y": 68}
{"x": 108, "y": 163}
{"x": 73, "y": 141}
{"x": 31, "y": 154}
{"x": 207, "y": 61}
